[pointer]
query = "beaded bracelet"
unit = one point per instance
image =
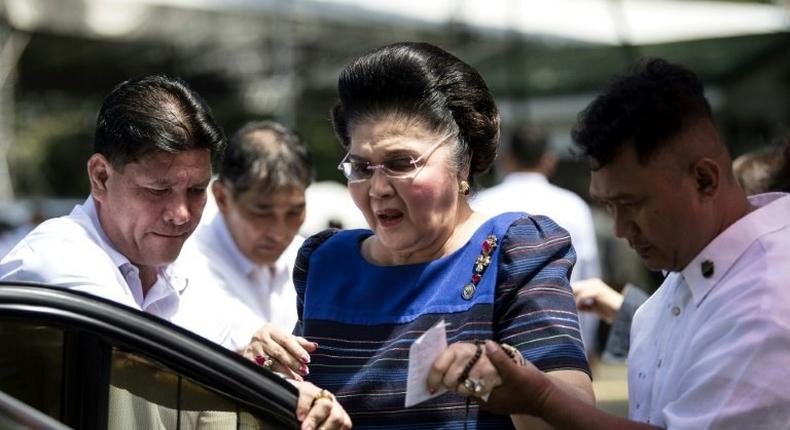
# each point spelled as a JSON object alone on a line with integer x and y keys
{"x": 513, "y": 353}
{"x": 471, "y": 363}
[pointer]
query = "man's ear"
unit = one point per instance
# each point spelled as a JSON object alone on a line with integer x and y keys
{"x": 99, "y": 171}
{"x": 707, "y": 175}
{"x": 222, "y": 196}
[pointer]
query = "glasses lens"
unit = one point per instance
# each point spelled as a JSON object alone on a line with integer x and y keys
{"x": 355, "y": 170}
{"x": 399, "y": 167}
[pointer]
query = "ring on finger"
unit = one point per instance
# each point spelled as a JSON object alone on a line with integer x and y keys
{"x": 474, "y": 386}
{"x": 323, "y": 394}
{"x": 264, "y": 360}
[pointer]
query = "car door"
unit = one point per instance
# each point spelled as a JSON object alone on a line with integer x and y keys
{"x": 94, "y": 364}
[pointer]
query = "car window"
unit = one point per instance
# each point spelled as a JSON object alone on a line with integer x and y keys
{"x": 35, "y": 358}
{"x": 31, "y": 364}
{"x": 148, "y": 396}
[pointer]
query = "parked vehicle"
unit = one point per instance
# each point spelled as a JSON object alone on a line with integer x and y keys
{"x": 90, "y": 363}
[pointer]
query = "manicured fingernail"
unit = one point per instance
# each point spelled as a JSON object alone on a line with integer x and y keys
{"x": 259, "y": 359}
{"x": 431, "y": 390}
{"x": 315, "y": 344}
{"x": 305, "y": 359}
{"x": 490, "y": 347}
{"x": 304, "y": 370}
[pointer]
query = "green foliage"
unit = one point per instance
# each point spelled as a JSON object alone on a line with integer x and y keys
{"x": 50, "y": 151}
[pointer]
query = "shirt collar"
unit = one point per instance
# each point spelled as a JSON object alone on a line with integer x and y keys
{"x": 770, "y": 214}
{"x": 168, "y": 272}
{"x": 524, "y": 177}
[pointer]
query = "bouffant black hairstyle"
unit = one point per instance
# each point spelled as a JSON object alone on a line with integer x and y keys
{"x": 651, "y": 104}
{"x": 421, "y": 82}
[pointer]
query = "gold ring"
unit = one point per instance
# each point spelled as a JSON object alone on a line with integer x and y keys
{"x": 323, "y": 394}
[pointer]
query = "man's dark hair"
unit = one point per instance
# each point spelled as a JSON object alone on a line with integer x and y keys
{"x": 527, "y": 147}
{"x": 422, "y": 82}
{"x": 154, "y": 113}
{"x": 648, "y": 106}
{"x": 267, "y": 154}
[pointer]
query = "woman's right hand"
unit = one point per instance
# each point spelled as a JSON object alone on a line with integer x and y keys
{"x": 280, "y": 351}
{"x": 318, "y": 408}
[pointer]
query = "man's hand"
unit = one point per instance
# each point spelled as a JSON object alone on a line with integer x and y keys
{"x": 593, "y": 295}
{"x": 523, "y": 390}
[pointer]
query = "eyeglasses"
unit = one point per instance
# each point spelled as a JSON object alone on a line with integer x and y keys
{"x": 395, "y": 168}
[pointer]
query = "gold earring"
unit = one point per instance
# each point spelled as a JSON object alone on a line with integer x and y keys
{"x": 464, "y": 188}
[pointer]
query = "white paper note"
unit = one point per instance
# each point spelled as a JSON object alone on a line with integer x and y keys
{"x": 422, "y": 354}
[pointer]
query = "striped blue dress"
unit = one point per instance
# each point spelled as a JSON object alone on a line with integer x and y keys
{"x": 365, "y": 317}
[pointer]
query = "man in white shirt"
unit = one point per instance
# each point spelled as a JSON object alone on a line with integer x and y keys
{"x": 249, "y": 245}
{"x": 153, "y": 146}
{"x": 709, "y": 349}
{"x": 526, "y": 188}
{"x": 154, "y": 142}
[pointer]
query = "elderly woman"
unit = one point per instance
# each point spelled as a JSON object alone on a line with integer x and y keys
{"x": 418, "y": 124}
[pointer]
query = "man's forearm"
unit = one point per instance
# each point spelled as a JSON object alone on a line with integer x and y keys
{"x": 566, "y": 412}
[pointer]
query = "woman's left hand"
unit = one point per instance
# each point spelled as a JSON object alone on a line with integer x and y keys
{"x": 464, "y": 368}
{"x": 280, "y": 351}
{"x": 318, "y": 408}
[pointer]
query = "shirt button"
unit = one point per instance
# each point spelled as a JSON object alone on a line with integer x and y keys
{"x": 658, "y": 364}
{"x": 675, "y": 311}
{"x": 638, "y": 405}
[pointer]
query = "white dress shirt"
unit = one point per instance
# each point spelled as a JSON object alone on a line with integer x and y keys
{"x": 73, "y": 252}
{"x": 266, "y": 292}
{"x": 714, "y": 352}
{"x": 533, "y": 193}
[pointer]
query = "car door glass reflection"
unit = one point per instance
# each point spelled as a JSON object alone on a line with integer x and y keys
{"x": 147, "y": 396}
{"x": 31, "y": 364}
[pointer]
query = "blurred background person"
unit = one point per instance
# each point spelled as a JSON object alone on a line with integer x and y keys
{"x": 10, "y": 237}
{"x": 763, "y": 170}
{"x": 249, "y": 244}
{"x": 529, "y": 163}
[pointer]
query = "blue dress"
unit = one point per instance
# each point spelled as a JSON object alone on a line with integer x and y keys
{"x": 365, "y": 317}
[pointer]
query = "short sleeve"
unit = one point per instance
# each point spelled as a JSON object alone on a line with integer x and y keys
{"x": 300, "y": 271}
{"x": 534, "y": 309}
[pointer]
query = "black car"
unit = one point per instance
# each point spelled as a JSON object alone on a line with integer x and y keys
{"x": 94, "y": 364}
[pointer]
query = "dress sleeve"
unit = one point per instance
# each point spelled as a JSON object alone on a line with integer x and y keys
{"x": 534, "y": 309}
{"x": 300, "y": 271}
